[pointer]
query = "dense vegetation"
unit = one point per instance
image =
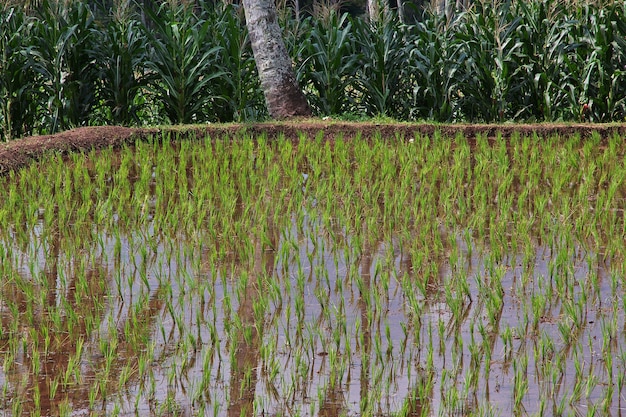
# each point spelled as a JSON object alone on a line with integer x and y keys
{"x": 68, "y": 64}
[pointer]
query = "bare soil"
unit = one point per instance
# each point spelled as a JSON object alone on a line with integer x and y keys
{"x": 19, "y": 153}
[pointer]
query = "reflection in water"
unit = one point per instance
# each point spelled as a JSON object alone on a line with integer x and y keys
{"x": 365, "y": 308}
{"x": 251, "y": 320}
{"x": 46, "y": 365}
{"x": 272, "y": 364}
{"x": 278, "y": 311}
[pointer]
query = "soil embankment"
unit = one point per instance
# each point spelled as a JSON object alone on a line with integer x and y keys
{"x": 19, "y": 153}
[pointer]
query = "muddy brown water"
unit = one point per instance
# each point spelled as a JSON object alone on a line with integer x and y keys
{"x": 303, "y": 382}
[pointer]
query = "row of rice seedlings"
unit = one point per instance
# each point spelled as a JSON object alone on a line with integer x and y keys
{"x": 239, "y": 275}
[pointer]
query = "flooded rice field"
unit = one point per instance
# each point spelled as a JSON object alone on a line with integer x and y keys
{"x": 420, "y": 276}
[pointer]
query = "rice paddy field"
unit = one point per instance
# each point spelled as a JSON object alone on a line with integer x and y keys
{"x": 387, "y": 276}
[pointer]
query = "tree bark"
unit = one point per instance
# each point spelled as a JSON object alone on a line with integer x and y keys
{"x": 283, "y": 96}
{"x": 376, "y": 9}
{"x": 373, "y": 10}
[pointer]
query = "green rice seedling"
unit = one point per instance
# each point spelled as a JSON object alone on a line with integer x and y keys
{"x": 520, "y": 382}
{"x": 347, "y": 288}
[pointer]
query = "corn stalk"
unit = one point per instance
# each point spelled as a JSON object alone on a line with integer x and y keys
{"x": 184, "y": 63}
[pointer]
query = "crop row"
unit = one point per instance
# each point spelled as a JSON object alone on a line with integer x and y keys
{"x": 392, "y": 276}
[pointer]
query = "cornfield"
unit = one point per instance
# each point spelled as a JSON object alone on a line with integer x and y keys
{"x": 65, "y": 64}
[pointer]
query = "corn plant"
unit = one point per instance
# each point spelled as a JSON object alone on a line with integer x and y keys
{"x": 601, "y": 60}
{"x": 546, "y": 83}
{"x": 17, "y": 106}
{"x": 27, "y": 6}
{"x": 64, "y": 65}
{"x": 384, "y": 77}
{"x": 329, "y": 61}
{"x": 65, "y": 75}
{"x": 240, "y": 94}
{"x": 185, "y": 64}
{"x": 436, "y": 56}
{"x": 119, "y": 51}
{"x": 490, "y": 66}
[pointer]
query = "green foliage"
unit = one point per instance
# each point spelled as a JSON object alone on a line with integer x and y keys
{"x": 184, "y": 62}
{"x": 120, "y": 53}
{"x": 60, "y": 39}
{"x": 542, "y": 60}
{"x": 385, "y": 78}
{"x": 436, "y": 58}
{"x": 329, "y": 63}
{"x": 17, "y": 80}
{"x": 547, "y": 74}
{"x": 66, "y": 65}
{"x": 602, "y": 59}
{"x": 489, "y": 66}
{"x": 239, "y": 90}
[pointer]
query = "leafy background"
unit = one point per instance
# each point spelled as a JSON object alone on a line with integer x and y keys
{"x": 67, "y": 63}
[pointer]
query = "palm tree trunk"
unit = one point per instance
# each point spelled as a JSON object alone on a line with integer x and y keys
{"x": 282, "y": 93}
{"x": 373, "y": 10}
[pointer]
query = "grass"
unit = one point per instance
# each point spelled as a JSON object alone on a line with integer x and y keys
{"x": 392, "y": 276}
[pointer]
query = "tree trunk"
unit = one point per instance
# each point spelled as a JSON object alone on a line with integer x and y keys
{"x": 282, "y": 93}
{"x": 373, "y": 10}
{"x": 401, "y": 14}
{"x": 376, "y": 9}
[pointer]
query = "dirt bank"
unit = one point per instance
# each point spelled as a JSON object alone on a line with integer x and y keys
{"x": 18, "y": 153}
